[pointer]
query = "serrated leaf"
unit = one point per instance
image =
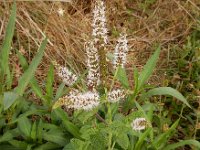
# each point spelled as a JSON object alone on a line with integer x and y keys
{"x": 55, "y": 136}
{"x": 148, "y": 68}
{"x": 123, "y": 140}
{"x": 167, "y": 91}
{"x": 8, "y": 99}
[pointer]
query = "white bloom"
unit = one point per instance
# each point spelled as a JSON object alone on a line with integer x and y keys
{"x": 139, "y": 124}
{"x": 78, "y": 101}
{"x": 67, "y": 76}
{"x": 60, "y": 12}
{"x": 93, "y": 65}
{"x": 116, "y": 95}
{"x": 121, "y": 51}
{"x": 99, "y": 23}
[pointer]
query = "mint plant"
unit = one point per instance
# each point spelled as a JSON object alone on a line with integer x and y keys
{"x": 103, "y": 116}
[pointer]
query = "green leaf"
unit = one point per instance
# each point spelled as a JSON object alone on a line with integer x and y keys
{"x": 123, "y": 140}
{"x": 29, "y": 73}
{"x": 122, "y": 77}
{"x": 142, "y": 138}
{"x": 6, "y": 46}
{"x": 24, "y": 126}
{"x": 28, "y": 113}
{"x": 75, "y": 144}
{"x": 48, "y": 146}
{"x": 68, "y": 125}
{"x": 49, "y": 84}
{"x": 136, "y": 76}
{"x": 194, "y": 143}
{"x": 18, "y": 144}
{"x": 40, "y": 131}
{"x": 8, "y": 99}
{"x": 148, "y": 68}
{"x": 22, "y": 60}
{"x": 7, "y": 136}
{"x": 162, "y": 138}
{"x": 9, "y": 147}
{"x": 34, "y": 132}
{"x": 55, "y": 136}
{"x": 59, "y": 91}
{"x": 33, "y": 82}
{"x": 167, "y": 91}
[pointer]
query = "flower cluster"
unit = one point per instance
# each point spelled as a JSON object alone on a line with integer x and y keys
{"x": 139, "y": 124}
{"x": 99, "y": 23}
{"x": 121, "y": 50}
{"x": 93, "y": 65}
{"x": 95, "y": 51}
{"x": 80, "y": 101}
{"x": 116, "y": 95}
{"x": 65, "y": 74}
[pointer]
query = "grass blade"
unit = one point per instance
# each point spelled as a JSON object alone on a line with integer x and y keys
{"x": 148, "y": 68}
{"x": 6, "y": 46}
{"x": 29, "y": 73}
{"x": 142, "y": 139}
{"x": 167, "y": 91}
{"x": 49, "y": 84}
{"x": 33, "y": 82}
{"x": 182, "y": 143}
{"x": 164, "y": 137}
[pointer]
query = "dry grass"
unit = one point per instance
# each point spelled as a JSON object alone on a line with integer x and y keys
{"x": 163, "y": 21}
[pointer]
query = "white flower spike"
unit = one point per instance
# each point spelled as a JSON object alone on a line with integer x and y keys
{"x": 92, "y": 65}
{"x": 99, "y": 23}
{"x": 121, "y": 51}
{"x": 81, "y": 101}
{"x": 65, "y": 74}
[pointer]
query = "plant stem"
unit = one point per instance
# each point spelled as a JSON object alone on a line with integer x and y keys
{"x": 109, "y": 123}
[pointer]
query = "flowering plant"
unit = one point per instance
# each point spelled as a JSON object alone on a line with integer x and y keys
{"x": 108, "y": 116}
{"x": 97, "y": 116}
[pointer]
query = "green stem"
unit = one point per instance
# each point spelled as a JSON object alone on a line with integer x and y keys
{"x": 109, "y": 123}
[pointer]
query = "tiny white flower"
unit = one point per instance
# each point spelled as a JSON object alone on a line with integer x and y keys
{"x": 139, "y": 124}
{"x": 99, "y": 23}
{"x": 65, "y": 74}
{"x": 60, "y": 12}
{"x": 81, "y": 101}
{"x": 116, "y": 95}
{"x": 121, "y": 51}
{"x": 92, "y": 65}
